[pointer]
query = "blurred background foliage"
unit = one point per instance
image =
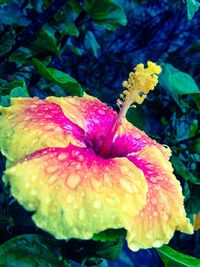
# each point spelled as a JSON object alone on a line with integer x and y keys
{"x": 66, "y": 47}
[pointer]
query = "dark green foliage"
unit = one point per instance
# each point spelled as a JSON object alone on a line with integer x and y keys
{"x": 67, "y": 47}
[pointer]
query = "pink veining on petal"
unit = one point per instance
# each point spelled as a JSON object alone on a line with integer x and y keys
{"x": 46, "y": 114}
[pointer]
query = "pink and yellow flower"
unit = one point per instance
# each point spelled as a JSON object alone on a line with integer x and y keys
{"x": 82, "y": 168}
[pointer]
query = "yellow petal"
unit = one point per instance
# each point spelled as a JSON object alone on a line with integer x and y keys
{"x": 75, "y": 193}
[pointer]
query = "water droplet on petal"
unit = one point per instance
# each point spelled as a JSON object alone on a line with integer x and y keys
{"x": 81, "y": 215}
{"x": 153, "y": 179}
{"x": 165, "y": 217}
{"x": 97, "y": 204}
{"x": 62, "y": 156}
{"x": 149, "y": 234}
{"x": 155, "y": 213}
{"x": 81, "y": 158}
{"x": 127, "y": 186}
{"x": 101, "y": 112}
{"x": 70, "y": 198}
{"x": 107, "y": 179}
{"x": 134, "y": 246}
{"x": 33, "y": 192}
{"x": 51, "y": 169}
{"x": 73, "y": 180}
{"x": 52, "y": 179}
{"x": 96, "y": 184}
{"x": 153, "y": 201}
{"x": 157, "y": 243}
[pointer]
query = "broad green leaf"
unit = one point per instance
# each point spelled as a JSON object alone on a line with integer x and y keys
{"x": 60, "y": 78}
{"x": 21, "y": 56}
{"x": 12, "y": 14}
{"x": 91, "y": 43}
{"x": 5, "y": 1}
{"x": 192, "y": 8}
{"x": 7, "y": 40}
{"x": 194, "y": 147}
{"x": 15, "y": 89}
{"x": 75, "y": 5}
{"x": 174, "y": 258}
{"x": 176, "y": 82}
{"x": 193, "y": 128}
{"x": 110, "y": 235}
{"x": 106, "y": 13}
{"x": 68, "y": 27}
{"x": 108, "y": 250}
{"x": 137, "y": 118}
{"x": 182, "y": 170}
{"x": 194, "y": 47}
{"x": 45, "y": 42}
{"x": 29, "y": 251}
{"x": 77, "y": 51}
{"x": 193, "y": 203}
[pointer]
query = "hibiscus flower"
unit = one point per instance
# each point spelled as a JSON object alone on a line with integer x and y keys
{"x": 82, "y": 168}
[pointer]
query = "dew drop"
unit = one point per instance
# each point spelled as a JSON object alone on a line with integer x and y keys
{"x": 62, "y": 156}
{"x": 49, "y": 127}
{"x": 81, "y": 158}
{"x": 107, "y": 179}
{"x": 165, "y": 217}
{"x": 134, "y": 246}
{"x": 155, "y": 213}
{"x": 157, "y": 243}
{"x": 52, "y": 179}
{"x": 70, "y": 199}
{"x": 81, "y": 215}
{"x": 33, "y": 192}
{"x": 78, "y": 166}
{"x": 97, "y": 204}
{"x": 149, "y": 234}
{"x": 73, "y": 180}
{"x": 51, "y": 169}
{"x": 153, "y": 179}
{"x": 153, "y": 201}
{"x": 101, "y": 112}
{"x": 33, "y": 178}
{"x": 96, "y": 184}
{"x": 127, "y": 186}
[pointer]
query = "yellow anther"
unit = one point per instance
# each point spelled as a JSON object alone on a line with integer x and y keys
{"x": 140, "y": 83}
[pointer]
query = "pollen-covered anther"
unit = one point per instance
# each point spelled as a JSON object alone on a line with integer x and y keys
{"x": 140, "y": 83}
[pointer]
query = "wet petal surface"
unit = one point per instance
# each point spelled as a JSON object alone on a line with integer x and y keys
{"x": 30, "y": 124}
{"x": 76, "y": 193}
{"x": 164, "y": 212}
{"x": 95, "y": 117}
{"x": 130, "y": 139}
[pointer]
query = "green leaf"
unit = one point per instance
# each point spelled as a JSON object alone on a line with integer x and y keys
{"x": 194, "y": 47}
{"x": 106, "y": 13}
{"x": 137, "y": 118}
{"x": 192, "y": 8}
{"x": 77, "y": 51}
{"x": 193, "y": 203}
{"x": 110, "y": 235}
{"x": 5, "y": 1}
{"x": 182, "y": 170}
{"x": 29, "y": 251}
{"x": 108, "y": 250}
{"x": 7, "y": 41}
{"x": 176, "y": 82}
{"x": 60, "y": 78}
{"x": 15, "y": 89}
{"x": 174, "y": 258}
{"x": 45, "y": 42}
{"x": 91, "y": 43}
{"x": 193, "y": 128}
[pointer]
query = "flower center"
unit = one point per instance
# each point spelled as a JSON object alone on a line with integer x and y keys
{"x": 136, "y": 87}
